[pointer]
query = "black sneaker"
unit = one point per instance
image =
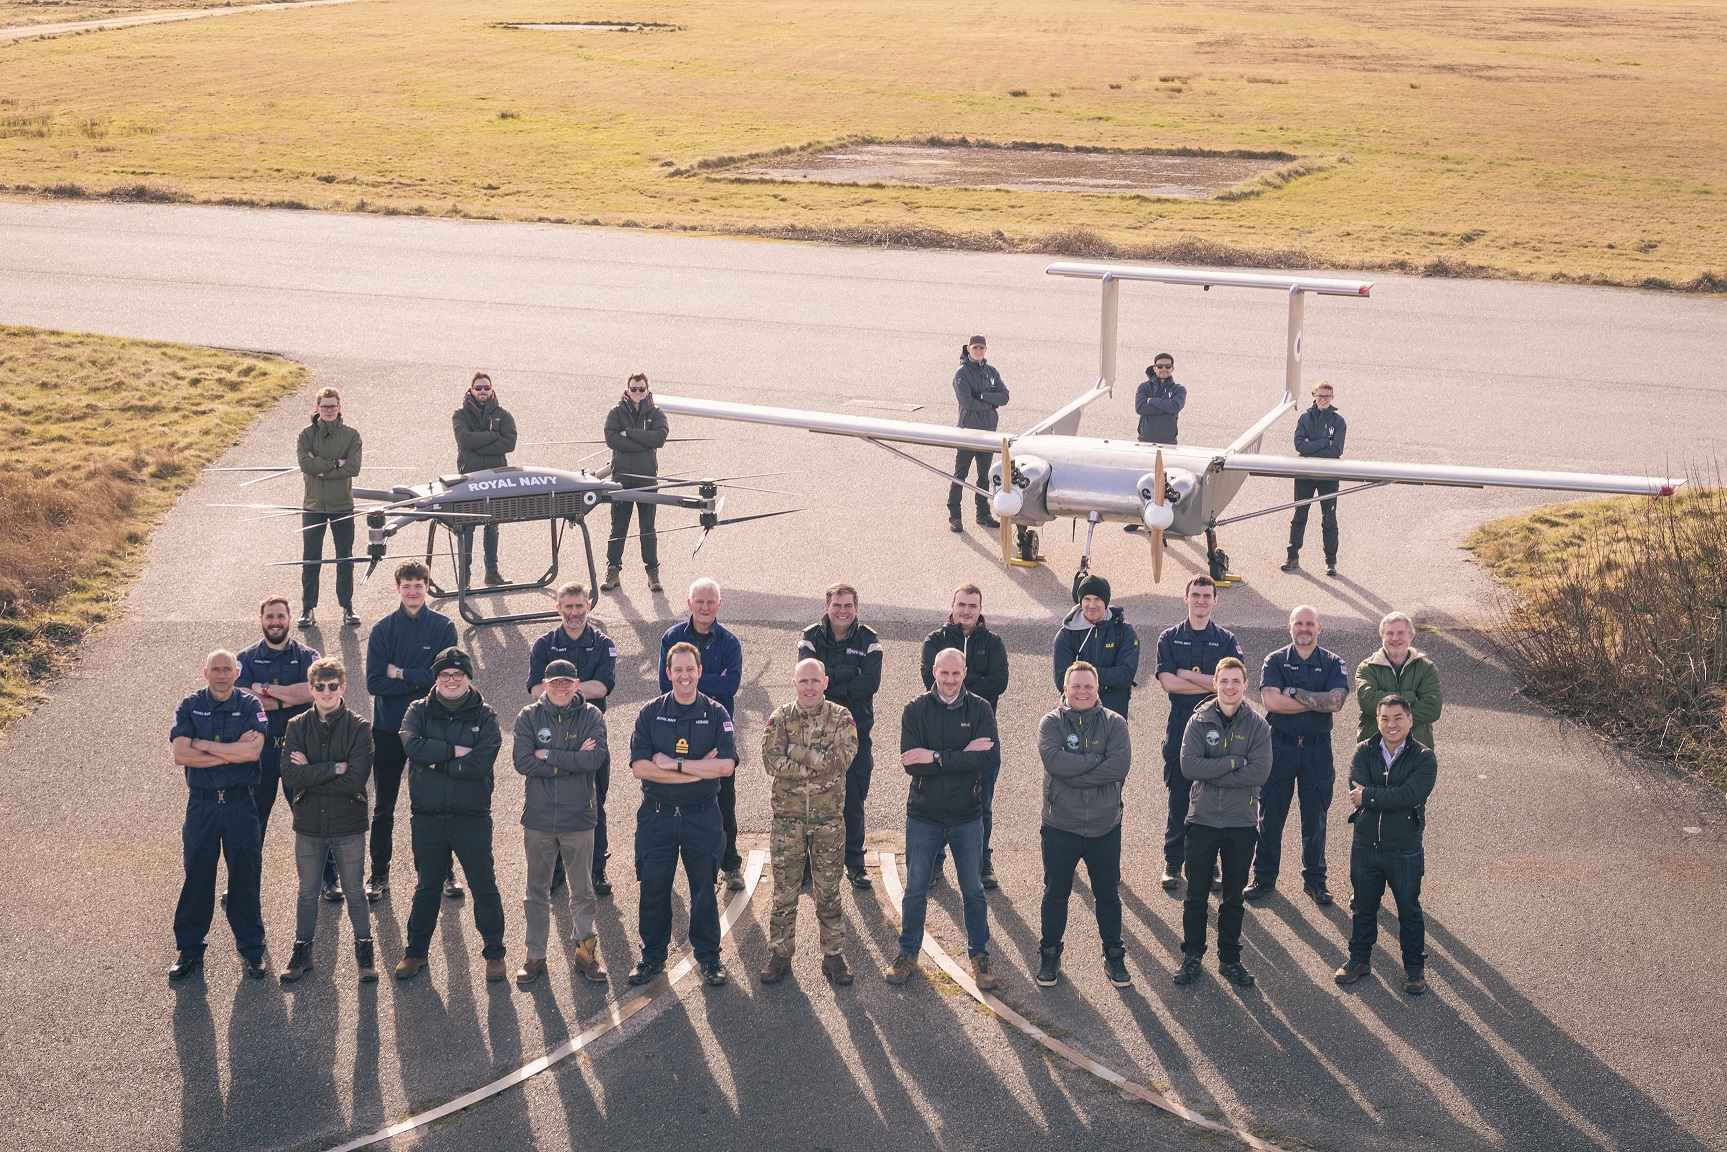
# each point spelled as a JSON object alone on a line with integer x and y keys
{"x": 350, "y": 618}
{"x": 735, "y": 879}
{"x": 1259, "y": 890}
{"x": 1320, "y": 893}
{"x": 377, "y": 886}
{"x": 988, "y": 873}
{"x": 257, "y": 967}
{"x": 1171, "y": 877}
{"x": 1331, "y": 569}
{"x": 1115, "y": 967}
{"x": 1189, "y": 970}
{"x": 1290, "y": 565}
{"x": 985, "y": 520}
{"x": 714, "y": 975}
{"x": 1415, "y": 981}
{"x": 331, "y": 890}
{"x": 306, "y": 620}
{"x": 184, "y": 965}
{"x": 1130, "y": 528}
{"x": 453, "y": 889}
{"x": 1049, "y": 970}
{"x": 860, "y": 879}
{"x": 955, "y": 524}
{"x": 644, "y": 972}
{"x": 1235, "y": 974}
{"x": 602, "y": 886}
{"x": 495, "y": 579}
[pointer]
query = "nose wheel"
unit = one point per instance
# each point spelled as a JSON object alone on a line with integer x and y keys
{"x": 1027, "y": 547}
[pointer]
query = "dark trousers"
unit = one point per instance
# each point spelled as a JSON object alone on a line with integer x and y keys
{"x": 1306, "y": 490}
{"x": 389, "y": 759}
{"x": 223, "y": 824}
{"x": 1180, "y": 787}
{"x": 663, "y": 835}
{"x": 469, "y": 838}
{"x": 729, "y": 823}
{"x": 1371, "y": 871}
{"x": 269, "y": 783}
{"x": 341, "y": 526}
{"x": 1205, "y": 847}
{"x": 489, "y": 535}
{"x": 964, "y": 460}
{"x": 857, "y": 791}
{"x": 1303, "y": 772}
{"x": 1062, "y": 852}
{"x": 621, "y": 530}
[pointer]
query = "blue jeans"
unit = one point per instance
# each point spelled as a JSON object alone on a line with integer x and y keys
{"x": 923, "y": 843}
{"x": 1297, "y": 771}
{"x": 220, "y": 823}
{"x": 313, "y": 856}
{"x": 1371, "y": 870}
{"x": 665, "y": 833}
{"x": 986, "y": 788}
{"x": 490, "y": 534}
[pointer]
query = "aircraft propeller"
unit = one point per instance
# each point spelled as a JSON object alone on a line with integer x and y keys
{"x": 1158, "y": 516}
{"x": 1006, "y": 503}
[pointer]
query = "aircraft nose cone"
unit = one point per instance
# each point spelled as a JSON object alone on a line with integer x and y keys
{"x": 1007, "y": 502}
{"x": 1158, "y": 516}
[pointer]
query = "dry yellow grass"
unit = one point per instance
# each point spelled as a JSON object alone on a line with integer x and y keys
{"x": 1573, "y": 140}
{"x": 19, "y": 13}
{"x": 100, "y": 436}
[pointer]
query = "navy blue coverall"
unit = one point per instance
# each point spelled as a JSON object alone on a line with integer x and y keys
{"x": 1301, "y": 763}
{"x": 221, "y": 820}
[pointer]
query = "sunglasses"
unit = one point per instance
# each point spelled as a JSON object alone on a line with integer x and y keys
{"x": 638, "y": 387}
{"x": 332, "y": 686}
{"x": 1164, "y": 367}
{"x": 482, "y": 387}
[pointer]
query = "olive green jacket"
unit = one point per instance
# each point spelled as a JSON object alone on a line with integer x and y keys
{"x": 1419, "y": 681}
{"x": 329, "y": 488}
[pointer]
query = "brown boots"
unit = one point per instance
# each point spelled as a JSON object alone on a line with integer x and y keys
{"x": 586, "y": 960}
{"x": 613, "y": 572}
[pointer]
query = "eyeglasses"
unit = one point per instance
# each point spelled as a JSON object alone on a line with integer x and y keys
{"x": 332, "y": 686}
{"x": 449, "y": 675}
{"x": 329, "y": 407}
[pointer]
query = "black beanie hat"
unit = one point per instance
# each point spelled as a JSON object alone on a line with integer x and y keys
{"x": 1092, "y": 585}
{"x": 457, "y": 659}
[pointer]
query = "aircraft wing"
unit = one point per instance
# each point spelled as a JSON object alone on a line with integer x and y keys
{"x": 837, "y": 424}
{"x": 1372, "y": 471}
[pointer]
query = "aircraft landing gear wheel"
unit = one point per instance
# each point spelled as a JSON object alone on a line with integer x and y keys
{"x": 1219, "y": 560}
{"x": 1028, "y": 546}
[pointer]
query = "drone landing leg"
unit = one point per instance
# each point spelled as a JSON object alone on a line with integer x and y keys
{"x": 462, "y": 592}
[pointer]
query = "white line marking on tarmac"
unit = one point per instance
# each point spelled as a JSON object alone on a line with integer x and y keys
{"x": 31, "y": 31}
{"x": 614, "y": 1017}
{"x": 895, "y": 893}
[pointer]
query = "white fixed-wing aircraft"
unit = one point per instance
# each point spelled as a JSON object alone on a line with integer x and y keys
{"x": 1175, "y": 488}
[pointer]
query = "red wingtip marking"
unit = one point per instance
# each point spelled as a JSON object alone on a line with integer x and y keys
{"x": 1666, "y": 489}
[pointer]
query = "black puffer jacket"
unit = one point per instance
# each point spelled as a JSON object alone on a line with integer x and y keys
{"x": 440, "y": 783}
{"x": 485, "y": 434}
{"x": 328, "y": 804}
{"x": 978, "y": 390}
{"x": 985, "y": 658}
{"x": 949, "y": 792}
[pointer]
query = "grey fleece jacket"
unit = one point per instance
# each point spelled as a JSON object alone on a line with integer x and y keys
{"x": 1227, "y": 758}
{"x": 1086, "y": 756}
{"x": 561, "y": 796}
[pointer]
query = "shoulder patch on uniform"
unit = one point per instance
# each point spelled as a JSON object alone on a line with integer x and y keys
{"x": 727, "y": 726}
{"x": 612, "y": 652}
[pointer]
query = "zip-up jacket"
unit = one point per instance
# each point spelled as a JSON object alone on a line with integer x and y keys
{"x": 978, "y": 388}
{"x": 722, "y": 661}
{"x": 411, "y": 643}
{"x": 1393, "y": 809}
{"x": 485, "y": 434}
{"x": 1418, "y": 680}
{"x": 1227, "y": 758}
{"x": 440, "y": 783}
{"x": 635, "y": 433}
{"x": 1159, "y": 405}
{"x": 201, "y": 716}
{"x": 949, "y": 791}
{"x": 853, "y": 667}
{"x": 985, "y": 659}
{"x": 593, "y": 653}
{"x": 1086, "y": 756}
{"x": 262, "y": 664}
{"x": 1111, "y": 645}
{"x": 1320, "y": 432}
{"x": 806, "y": 755}
{"x": 329, "y": 487}
{"x": 327, "y": 804}
{"x": 561, "y": 796}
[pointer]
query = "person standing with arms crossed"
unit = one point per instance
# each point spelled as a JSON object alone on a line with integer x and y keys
{"x": 328, "y": 454}
{"x": 1399, "y": 667}
{"x": 851, "y": 656}
{"x": 1319, "y": 433}
{"x": 485, "y": 436}
{"x": 978, "y": 389}
{"x": 636, "y": 430}
{"x": 1187, "y": 657}
{"x": 722, "y": 672}
{"x": 274, "y": 670}
{"x": 1159, "y": 401}
{"x": 985, "y": 677}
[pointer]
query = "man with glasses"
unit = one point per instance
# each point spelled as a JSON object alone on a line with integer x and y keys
{"x": 328, "y": 453}
{"x": 1159, "y": 402}
{"x": 329, "y": 752}
{"x": 452, "y": 740}
{"x": 978, "y": 388}
{"x": 485, "y": 436}
{"x": 1319, "y": 433}
{"x": 399, "y": 655}
{"x": 635, "y": 432}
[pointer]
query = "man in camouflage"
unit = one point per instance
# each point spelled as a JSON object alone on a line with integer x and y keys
{"x": 806, "y": 748}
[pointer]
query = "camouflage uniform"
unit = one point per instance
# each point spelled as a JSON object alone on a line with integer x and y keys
{"x": 806, "y": 755}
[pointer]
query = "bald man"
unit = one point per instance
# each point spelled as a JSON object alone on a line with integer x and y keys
{"x": 218, "y": 738}
{"x": 807, "y": 748}
{"x": 1302, "y": 686}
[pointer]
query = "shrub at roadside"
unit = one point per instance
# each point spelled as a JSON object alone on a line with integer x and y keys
{"x": 1617, "y": 617}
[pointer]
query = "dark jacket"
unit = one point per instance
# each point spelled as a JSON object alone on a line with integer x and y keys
{"x": 1393, "y": 808}
{"x": 951, "y": 791}
{"x": 985, "y": 659}
{"x": 329, "y": 488}
{"x": 853, "y": 666}
{"x": 1112, "y": 646}
{"x": 978, "y": 388}
{"x": 1085, "y": 756}
{"x": 1320, "y": 433}
{"x": 201, "y": 716}
{"x": 722, "y": 662}
{"x": 1228, "y": 758}
{"x": 635, "y": 433}
{"x": 1159, "y": 404}
{"x": 593, "y": 653}
{"x": 440, "y": 783}
{"x": 327, "y": 804}
{"x": 485, "y": 434}
{"x": 561, "y": 793}
{"x": 411, "y": 643}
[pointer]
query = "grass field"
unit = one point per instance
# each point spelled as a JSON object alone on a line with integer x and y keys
{"x": 1578, "y": 140}
{"x": 16, "y": 13}
{"x": 100, "y": 436}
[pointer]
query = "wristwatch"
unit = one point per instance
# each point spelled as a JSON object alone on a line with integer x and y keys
{"x": 937, "y": 756}
{"x": 680, "y": 763}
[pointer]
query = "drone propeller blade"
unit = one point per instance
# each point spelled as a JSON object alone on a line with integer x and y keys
{"x": 269, "y": 476}
{"x": 314, "y": 563}
{"x": 684, "y": 482}
{"x": 367, "y": 574}
{"x": 760, "y": 516}
{"x": 1006, "y": 521}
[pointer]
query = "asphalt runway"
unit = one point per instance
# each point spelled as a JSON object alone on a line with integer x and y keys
{"x": 1574, "y": 896}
